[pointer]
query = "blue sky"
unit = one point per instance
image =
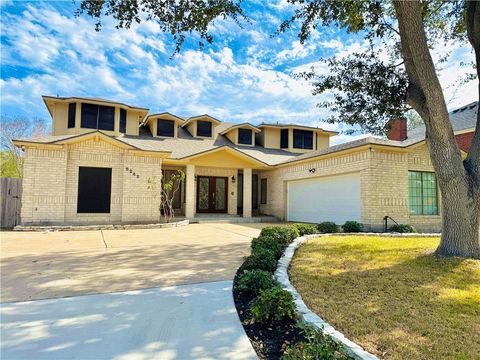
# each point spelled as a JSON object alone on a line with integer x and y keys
{"x": 244, "y": 76}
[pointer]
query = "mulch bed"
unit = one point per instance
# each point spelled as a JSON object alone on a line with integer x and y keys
{"x": 268, "y": 340}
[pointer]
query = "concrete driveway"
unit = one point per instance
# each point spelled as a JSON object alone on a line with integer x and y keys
{"x": 124, "y": 294}
{"x": 37, "y": 265}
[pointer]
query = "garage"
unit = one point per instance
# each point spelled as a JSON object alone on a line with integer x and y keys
{"x": 329, "y": 198}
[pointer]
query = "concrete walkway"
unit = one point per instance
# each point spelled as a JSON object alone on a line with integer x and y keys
{"x": 124, "y": 294}
{"x": 196, "y": 321}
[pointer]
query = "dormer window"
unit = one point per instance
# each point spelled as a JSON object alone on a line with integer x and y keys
{"x": 72, "y": 111}
{"x": 98, "y": 117}
{"x": 165, "y": 128}
{"x": 302, "y": 139}
{"x": 284, "y": 139}
{"x": 245, "y": 136}
{"x": 204, "y": 128}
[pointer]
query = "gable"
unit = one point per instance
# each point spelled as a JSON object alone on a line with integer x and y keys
{"x": 226, "y": 157}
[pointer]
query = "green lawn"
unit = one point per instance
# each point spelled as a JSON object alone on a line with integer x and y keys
{"x": 392, "y": 295}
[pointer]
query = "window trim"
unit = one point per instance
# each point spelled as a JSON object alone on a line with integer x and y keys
{"x": 72, "y": 114}
{"x": 284, "y": 145}
{"x": 211, "y": 129}
{"x": 303, "y": 133}
{"x": 123, "y": 121}
{"x": 166, "y": 121}
{"x": 251, "y": 136}
{"x": 422, "y": 197}
{"x": 81, "y": 205}
{"x": 263, "y": 191}
{"x": 99, "y": 107}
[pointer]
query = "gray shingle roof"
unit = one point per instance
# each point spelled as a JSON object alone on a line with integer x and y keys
{"x": 186, "y": 145}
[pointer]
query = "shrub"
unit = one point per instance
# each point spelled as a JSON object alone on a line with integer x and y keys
{"x": 273, "y": 304}
{"x": 270, "y": 243}
{"x": 305, "y": 229}
{"x": 255, "y": 280}
{"x": 352, "y": 227}
{"x": 327, "y": 227}
{"x": 284, "y": 234}
{"x": 262, "y": 259}
{"x": 317, "y": 346}
{"x": 402, "y": 228}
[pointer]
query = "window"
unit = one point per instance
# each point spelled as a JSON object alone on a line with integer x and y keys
{"x": 263, "y": 191}
{"x": 422, "y": 193}
{"x": 72, "y": 110}
{"x": 94, "y": 190}
{"x": 123, "y": 121}
{"x": 284, "y": 139}
{"x": 98, "y": 117}
{"x": 165, "y": 128}
{"x": 204, "y": 128}
{"x": 245, "y": 136}
{"x": 302, "y": 139}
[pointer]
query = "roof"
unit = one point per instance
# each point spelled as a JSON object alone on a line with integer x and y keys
{"x": 239, "y": 126}
{"x": 462, "y": 118}
{"x": 73, "y": 98}
{"x": 289, "y": 125}
{"x": 200, "y": 117}
{"x": 185, "y": 145}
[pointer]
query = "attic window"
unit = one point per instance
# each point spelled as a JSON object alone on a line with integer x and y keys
{"x": 123, "y": 120}
{"x": 72, "y": 109}
{"x": 98, "y": 117}
{"x": 302, "y": 139}
{"x": 204, "y": 128}
{"x": 165, "y": 128}
{"x": 245, "y": 136}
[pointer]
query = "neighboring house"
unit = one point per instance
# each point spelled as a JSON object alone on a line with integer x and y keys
{"x": 99, "y": 165}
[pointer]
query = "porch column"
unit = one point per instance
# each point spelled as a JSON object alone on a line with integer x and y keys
{"x": 247, "y": 193}
{"x": 190, "y": 191}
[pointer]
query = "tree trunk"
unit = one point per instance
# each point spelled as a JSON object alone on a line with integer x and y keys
{"x": 458, "y": 185}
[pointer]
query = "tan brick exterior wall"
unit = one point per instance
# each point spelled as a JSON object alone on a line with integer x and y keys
{"x": 383, "y": 181}
{"x": 51, "y": 184}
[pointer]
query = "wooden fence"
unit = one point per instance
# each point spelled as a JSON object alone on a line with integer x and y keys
{"x": 10, "y": 202}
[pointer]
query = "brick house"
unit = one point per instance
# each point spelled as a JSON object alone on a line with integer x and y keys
{"x": 97, "y": 165}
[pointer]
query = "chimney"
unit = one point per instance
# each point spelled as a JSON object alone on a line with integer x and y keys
{"x": 397, "y": 129}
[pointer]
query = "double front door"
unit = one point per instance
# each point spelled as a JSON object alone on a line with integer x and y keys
{"x": 212, "y": 194}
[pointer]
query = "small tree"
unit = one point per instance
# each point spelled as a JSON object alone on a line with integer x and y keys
{"x": 166, "y": 190}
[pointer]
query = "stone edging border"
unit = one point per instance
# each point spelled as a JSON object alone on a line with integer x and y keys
{"x": 100, "y": 227}
{"x": 308, "y": 316}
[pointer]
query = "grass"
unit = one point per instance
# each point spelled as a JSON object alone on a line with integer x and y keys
{"x": 392, "y": 295}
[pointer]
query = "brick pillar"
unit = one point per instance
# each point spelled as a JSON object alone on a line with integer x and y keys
{"x": 397, "y": 129}
{"x": 247, "y": 193}
{"x": 190, "y": 191}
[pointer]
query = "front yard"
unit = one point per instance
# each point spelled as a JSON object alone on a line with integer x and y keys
{"x": 392, "y": 296}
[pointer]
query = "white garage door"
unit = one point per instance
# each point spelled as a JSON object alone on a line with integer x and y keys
{"x": 329, "y": 198}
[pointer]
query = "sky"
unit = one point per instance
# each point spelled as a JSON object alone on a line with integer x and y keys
{"x": 244, "y": 76}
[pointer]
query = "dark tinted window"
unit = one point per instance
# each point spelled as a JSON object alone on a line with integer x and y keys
{"x": 123, "y": 120}
{"x": 94, "y": 190}
{"x": 284, "y": 138}
{"x": 72, "y": 109}
{"x": 106, "y": 118}
{"x": 302, "y": 139}
{"x": 204, "y": 128}
{"x": 89, "y": 116}
{"x": 98, "y": 117}
{"x": 263, "y": 191}
{"x": 245, "y": 136}
{"x": 165, "y": 128}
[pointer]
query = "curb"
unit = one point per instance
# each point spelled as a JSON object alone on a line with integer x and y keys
{"x": 100, "y": 227}
{"x": 281, "y": 274}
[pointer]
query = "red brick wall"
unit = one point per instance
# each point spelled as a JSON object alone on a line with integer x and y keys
{"x": 464, "y": 141}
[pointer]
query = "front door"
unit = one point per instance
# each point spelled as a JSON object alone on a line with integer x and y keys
{"x": 212, "y": 194}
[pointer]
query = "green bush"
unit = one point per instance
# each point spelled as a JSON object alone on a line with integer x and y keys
{"x": 352, "y": 227}
{"x": 262, "y": 259}
{"x": 284, "y": 234}
{"x": 270, "y": 243}
{"x": 255, "y": 280}
{"x": 327, "y": 227}
{"x": 273, "y": 304}
{"x": 402, "y": 228}
{"x": 305, "y": 229}
{"x": 317, "y": 346}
